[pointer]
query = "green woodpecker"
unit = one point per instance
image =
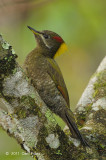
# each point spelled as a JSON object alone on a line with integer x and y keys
{"x": 47, "y": 78}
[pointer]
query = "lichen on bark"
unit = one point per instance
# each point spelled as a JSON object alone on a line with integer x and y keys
{"x": 31, "y": 123}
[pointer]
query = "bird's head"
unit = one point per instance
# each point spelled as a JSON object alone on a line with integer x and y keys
{"x": 50, "y": 42}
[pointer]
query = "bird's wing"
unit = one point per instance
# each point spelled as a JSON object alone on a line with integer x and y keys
{"x": 56, "y": 75}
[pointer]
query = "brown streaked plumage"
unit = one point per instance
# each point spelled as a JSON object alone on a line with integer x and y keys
{"x": 47, "y": 78}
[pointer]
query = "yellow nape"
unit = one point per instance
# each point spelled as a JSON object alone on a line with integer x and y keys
{"x": 61, "y": 50}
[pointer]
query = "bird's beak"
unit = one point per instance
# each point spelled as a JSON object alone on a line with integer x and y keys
{"x": 34, "y": 31}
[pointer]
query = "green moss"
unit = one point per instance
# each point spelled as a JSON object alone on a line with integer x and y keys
{"x": 27, "y": 106}
{"x": 11, "y": 116}
{"x": 59, "y": 152}
{"x": 49, "y": 116}
{"x": 100, "y": 85}
{"x": 82, "y": 117}
{"x": 102, "y": 146}
{"x": 88, "y": 108}
{"x": 53, "y": 154}
{"x": 95, "y": 93}
{"x": 7, "y": 64}
{"x": 81, "y": 156}
{"x": 42, "y": 144}
{"x": 32, "y": 95}
{"x": 21, "y": 112}
{"x": 99, "y": 118}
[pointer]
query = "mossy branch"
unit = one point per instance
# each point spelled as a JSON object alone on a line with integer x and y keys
{"x": 26, "y": 117}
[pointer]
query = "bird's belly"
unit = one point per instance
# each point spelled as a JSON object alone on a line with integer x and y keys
{"x": 49, "y": 93}
{"x": 46, "y": 88}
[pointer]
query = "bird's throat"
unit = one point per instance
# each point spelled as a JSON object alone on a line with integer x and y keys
{"x": 61, "y": 50}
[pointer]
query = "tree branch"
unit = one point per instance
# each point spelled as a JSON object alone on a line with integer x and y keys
{"x": 27, "y": 118}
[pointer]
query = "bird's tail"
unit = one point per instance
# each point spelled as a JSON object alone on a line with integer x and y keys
{"x": 69, "y": 119}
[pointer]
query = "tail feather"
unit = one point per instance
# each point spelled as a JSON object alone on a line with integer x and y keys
{"x": 73, "y": 128}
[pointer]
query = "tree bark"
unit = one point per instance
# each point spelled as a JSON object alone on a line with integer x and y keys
{"x": 26, "y": 117}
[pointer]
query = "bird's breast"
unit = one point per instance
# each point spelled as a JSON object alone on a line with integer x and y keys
{"x": 37, "y": 71}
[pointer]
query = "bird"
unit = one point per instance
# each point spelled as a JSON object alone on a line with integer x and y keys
{"x": 46, "y": 77}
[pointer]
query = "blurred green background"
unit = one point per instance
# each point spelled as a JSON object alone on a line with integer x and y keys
{"x": 81, "y": 23}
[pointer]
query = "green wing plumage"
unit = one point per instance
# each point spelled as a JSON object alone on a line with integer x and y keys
{"x": 57, "y": 77}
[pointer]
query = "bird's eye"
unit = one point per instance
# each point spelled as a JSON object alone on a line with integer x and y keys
{"x": 46, "y": 36}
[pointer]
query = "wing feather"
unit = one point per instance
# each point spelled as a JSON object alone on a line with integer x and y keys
{"x": 57, "y": 77}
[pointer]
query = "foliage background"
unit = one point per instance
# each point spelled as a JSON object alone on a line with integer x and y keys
{"x": 82, "y": 25}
